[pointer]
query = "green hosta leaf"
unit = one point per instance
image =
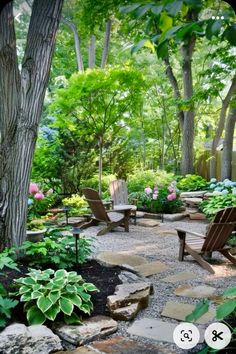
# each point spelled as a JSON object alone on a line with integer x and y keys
{"x": 59, "y": 283}
{"x": 52, "y": 313}
{"x": 54, "y": 296}
{"x": 49, "y": 271}
{"x": 199, "y": 311}
{"x": 36, "y": 287}
{"x": 230, "y": 292}
{"x": 24, "y": 289}
{"x": 25, "y": 297}
{"x": 71, "y": 288}
{"x": 36, "y": 294}
{"x": 66, "y": 306}
{"x": 44, "y": 303}
{"x": 73, "y": 319}
{"x": 73, "y": 277}
{"x": 225, "y": 309}
{"x": 74, "y": 298}
{"x": 85, "y": 308}
{"x": 90, "y": 287}
{"x": 27, "y": 281}
{"x": 86, "y": 297}
{"x": 61, "y": 273}
{"x": 35, "y": 316}
{"x": 128, "y": 8}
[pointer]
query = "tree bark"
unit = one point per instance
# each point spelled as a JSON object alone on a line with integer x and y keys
{"x": 79, "y": 60}
{"x": 91, "y": 53}
{"x": 21, "y": 110}
{"x": 106, "y": 44}
{"x": 226, "y": 163}
{"x": 174, "y": 83}
{"x": 188, "y": 126}
{"x": 220, "y": 126}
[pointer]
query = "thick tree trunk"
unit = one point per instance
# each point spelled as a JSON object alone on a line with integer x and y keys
{"x": 188, "y": 126}
{"x": 220, "y": 126}
{"x": 91, "y": 53}
{"x": 21, "y": 110}
{"x": 79, "y": 60}
{"x": 226, "y": 163}
{"x": 106, "y": 44}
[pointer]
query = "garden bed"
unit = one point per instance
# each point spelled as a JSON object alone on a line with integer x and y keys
{"x": 104, "y": 278}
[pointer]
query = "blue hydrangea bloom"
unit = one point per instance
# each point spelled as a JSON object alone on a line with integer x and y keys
{"x": 30, "y": 201}
{"x": 213, "y": 180}
{"x": 225, "y": 191}
{"x": 212, "y": 185}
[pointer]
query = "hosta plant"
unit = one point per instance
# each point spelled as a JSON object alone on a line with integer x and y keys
{"x": 49, "y": 293}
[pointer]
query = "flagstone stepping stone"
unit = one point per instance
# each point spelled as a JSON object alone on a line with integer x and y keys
{"x": 126, "y": 295}
{"x": 38, "y": 339}
{"x": 116, "y": 258}
{"x": 192, "y": 201}
{"x": 192, "y": 194}
{"x": 197, "y": 216}
{"x": 179, "y": 277}
{"x": 92, "y": 328}
{"x": 168, "y": 232}
{"x": 179, "y": 311}
{"x": 148, "y": 223}
{"x": 151, "y": 268}
{"x": 200, "y": 291}
{"x": 174, "y": 217}
{"x": 156, "y": 329}
{"x": 121, "y": 345}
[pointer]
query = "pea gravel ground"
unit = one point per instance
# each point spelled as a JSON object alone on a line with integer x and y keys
{"x": 161, "y": 244}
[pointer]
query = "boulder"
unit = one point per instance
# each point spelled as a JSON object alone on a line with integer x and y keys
{"x": 147, "y": 223}
{"x": 20, "y": 339}
{"x": 126, "y": 313}
{"x": 192, "y": 201}
{"x": 92, "y": 329}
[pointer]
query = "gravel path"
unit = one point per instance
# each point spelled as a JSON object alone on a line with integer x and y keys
{"x": 161, "y": 244}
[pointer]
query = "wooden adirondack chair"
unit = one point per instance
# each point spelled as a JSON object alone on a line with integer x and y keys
{"x": 215, "y": 239}
{"x": 119, "y": 196}
{"x": 110, "y": 217}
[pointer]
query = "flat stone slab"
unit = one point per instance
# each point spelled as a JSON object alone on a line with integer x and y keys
{"x": 174, "y": 217}
{"x": 139, "y": 214}
{"x": 92, "y": 329}
{"x": 192, "y": 201}
{"x": 121, "y": 345}
{"x": 151, "y": 268}
{"x": 147, "y": 222}
{"x": 197, "y": 216}
{"x": 192, "y": 194}
{"x": 179, "y": 277}
{"x": 120, "y": 259}
{"x": 80, "y": 350}
{"x": 179, "y": 311}
{"x": 198, "y": 292}
{"x": 152, "y": 215}
{"x": 169, "y": 232}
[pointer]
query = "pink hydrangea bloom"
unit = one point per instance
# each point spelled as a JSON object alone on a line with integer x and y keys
{"x": 148, "y": 190}
{"x": 171, "y": 196}
{"x": 171, "y": 188}
{"x": 33, "y": 188}
{"x": 154, "y": 196}
{"x": 39, "y": 196}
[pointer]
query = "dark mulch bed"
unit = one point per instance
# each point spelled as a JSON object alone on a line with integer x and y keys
{"x": 105, "y": 279}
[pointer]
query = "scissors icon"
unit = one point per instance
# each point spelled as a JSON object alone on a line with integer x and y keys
{"x": 217, "y": 335}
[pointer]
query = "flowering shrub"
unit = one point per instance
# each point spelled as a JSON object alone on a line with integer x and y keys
{"x": 162, "y": 198}
{"x": 38, "y": 201}
{"x": 223, "y": 187}
{"x": 192, "y": 183}
{"x": 77, "y": 203}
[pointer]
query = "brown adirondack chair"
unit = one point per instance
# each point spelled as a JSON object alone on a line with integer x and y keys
{"x": 119, "y": 196}
{"x": 218, "y": 232}
{"x": 110, "y": 217}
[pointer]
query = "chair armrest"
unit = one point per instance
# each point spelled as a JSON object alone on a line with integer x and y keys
{"x": 191, "y": 233}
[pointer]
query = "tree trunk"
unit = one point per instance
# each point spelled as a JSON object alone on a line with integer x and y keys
{"x": 100, "y": 166}
{"x": 91, "y": 53}
{"x": 188, "y": 126}
{"x": 79, "y": 60}
{"x": 20, "y": 110}
{"x": 106, "y": 44}
{"x": 226, "y": 164}
{"x": 220, "y": 126}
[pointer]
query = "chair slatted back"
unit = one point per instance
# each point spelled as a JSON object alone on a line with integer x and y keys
{"x": 95, "y": 203}
{"x": 220, "y": 229}
{"x": 119, "y": 192}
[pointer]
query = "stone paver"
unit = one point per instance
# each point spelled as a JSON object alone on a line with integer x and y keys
{"x": 179, "y": 311}
{"x": 179, "y": 277}
{"x": 147, "y": 222}
{"x": 174, "y": 217}
{"x": 168, "y": 232}
{"x": 197, "y": 216}
{"x": 192, "y": 194}
{"x": 121, "y": 345}
{"x": 116, "y": 258}
{"x": 151, "y": 268}
{"x": 200, "y": 291}
{"x": 140, "y": 214}
{"x": 192, "y": 201}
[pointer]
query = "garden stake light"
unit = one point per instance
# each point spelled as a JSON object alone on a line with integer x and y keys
{"x": 66, "y": 209}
